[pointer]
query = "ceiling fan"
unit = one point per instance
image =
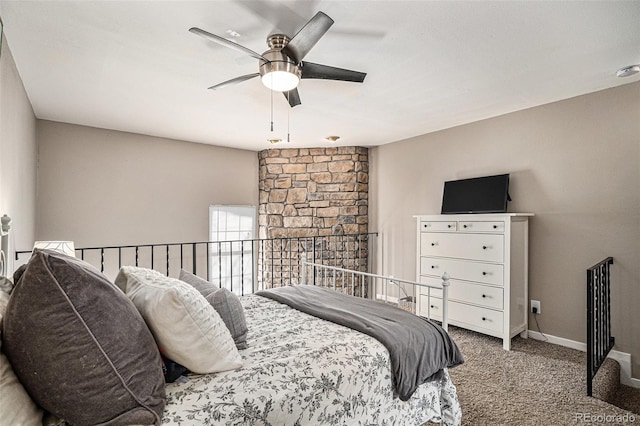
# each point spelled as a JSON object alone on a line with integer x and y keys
{"x": 282, "y": 66}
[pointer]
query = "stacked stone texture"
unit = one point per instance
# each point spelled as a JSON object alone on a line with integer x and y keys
{"x": 313, "y": 192}
{"x": 318, "y": 196}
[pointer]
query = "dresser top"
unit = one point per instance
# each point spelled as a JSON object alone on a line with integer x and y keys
{"x": 470, "y": 216}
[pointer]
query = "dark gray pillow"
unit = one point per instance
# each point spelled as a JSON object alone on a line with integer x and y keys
{"x": 225, "y": 303}
{"x": 79, "y": 345}
{"x": 18, "y": 273}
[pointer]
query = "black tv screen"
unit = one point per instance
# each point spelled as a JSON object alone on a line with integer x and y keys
{"x": 488, "y": 194}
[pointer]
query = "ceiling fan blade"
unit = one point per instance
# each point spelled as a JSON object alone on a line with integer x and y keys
{"x": 293, "y": 97}
{"x": 311, "y": 70}
{"x": 307, "y": 37}
{"x": 227, "y": 43}
{"x": 234, "y": 81}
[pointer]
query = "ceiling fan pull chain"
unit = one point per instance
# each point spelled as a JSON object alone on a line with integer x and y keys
{"x": 271, "y": 108}
{"x": 288, "y": 120}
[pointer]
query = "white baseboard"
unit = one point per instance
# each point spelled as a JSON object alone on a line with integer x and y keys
{"x": 623, "y": 358}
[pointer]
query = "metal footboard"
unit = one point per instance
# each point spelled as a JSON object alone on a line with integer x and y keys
{"x": 351, "y": 282}
{"x": 599, "y": 339}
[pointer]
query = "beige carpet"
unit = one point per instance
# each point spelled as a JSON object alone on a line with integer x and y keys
{"x": 536, "y": 383}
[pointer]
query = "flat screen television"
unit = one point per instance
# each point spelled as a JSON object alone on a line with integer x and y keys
{"x": 487, "y": 194}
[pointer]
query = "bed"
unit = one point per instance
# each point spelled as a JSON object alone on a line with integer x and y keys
{"x": 341, "y": 376}
{"x": 300, "y": 369}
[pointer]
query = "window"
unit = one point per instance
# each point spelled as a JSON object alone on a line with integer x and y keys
{"x": 231, "y": 260}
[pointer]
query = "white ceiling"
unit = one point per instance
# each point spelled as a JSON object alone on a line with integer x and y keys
{"x": 134, "y": 66}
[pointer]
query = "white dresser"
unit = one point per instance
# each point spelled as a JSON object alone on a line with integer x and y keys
{"x": 486, "y": 256}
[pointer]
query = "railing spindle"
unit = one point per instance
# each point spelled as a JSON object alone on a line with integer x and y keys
{"x": 262, "y": 268}
{"x": 281, "y": 265}
{"x": 313, "y": 258}
{"x": 208, "y": 263}
{"x": 167, "y": 259}
{"x": 231, "y": 265}
{"x": 242, "y": 268}
{"x": 194, "y": 254}
{"x": 290, "y": 263}
{"x": 220, "y": 264}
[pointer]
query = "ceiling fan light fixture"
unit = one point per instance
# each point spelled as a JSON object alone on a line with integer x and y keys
{"x": 279, "y": 73}
{"x": 280, "y": 81}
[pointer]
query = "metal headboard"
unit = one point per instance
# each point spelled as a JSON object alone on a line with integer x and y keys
{"x": 4, "y": 246}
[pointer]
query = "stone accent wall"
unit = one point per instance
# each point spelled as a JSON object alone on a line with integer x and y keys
{"x": 318, "y": 196}
{"x": 313, "y": 192}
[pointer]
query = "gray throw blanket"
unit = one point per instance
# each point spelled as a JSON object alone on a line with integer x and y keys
{"x": 418, "y": 348}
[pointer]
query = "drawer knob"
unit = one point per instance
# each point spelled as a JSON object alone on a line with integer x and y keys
{"x": 484, "y": 295}
{"x": 433, "y": 266}
{"x": 464, "y": 226}
{"x": 484, "y": 273}
{"x": 495, "y": 226}
{"x": 434, "y": 244}
{"x": 449, "y": 226}
{"x": 484, "y": 247}
{"x": 433, "y": 306}
{"x": 484, "y": 319}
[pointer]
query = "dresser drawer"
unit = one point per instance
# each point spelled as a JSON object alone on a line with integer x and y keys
{"x": 437, "y": 226}
{"x": 490, "y": 297}
{"x": 430, "y": 307}
{"x": 484, "y": 247}
{"x": 487, "y": 273}
{"x": 475, "y": 316}
{"x": 481, "y": 226}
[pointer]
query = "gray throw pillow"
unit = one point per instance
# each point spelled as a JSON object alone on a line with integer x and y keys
{"x": 79, "y": 345}
{"x": 225, "y": 303}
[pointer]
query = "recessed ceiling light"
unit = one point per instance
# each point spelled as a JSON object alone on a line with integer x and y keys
{"x": 627, "y": 71}
{"x": 332, "y": 138}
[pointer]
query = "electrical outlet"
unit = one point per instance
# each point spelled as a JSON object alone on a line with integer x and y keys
{"x": 535, "y": 307}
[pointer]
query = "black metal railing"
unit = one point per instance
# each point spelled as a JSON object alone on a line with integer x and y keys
{"x": 599, "y": 339}
{"x": 242, "y": 266}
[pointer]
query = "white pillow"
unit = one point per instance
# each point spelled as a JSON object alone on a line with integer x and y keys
{"x": 17, "y": 408}
{"x": 186, "y": 327}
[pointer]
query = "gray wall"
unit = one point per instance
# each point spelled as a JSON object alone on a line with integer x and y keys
{"x": 103, "y": 187}
{"x": 17, "y": 153}
{"x": 574, "y": 163}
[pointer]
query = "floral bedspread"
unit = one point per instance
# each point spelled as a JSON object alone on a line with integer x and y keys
{"x": 301, "y": 370}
